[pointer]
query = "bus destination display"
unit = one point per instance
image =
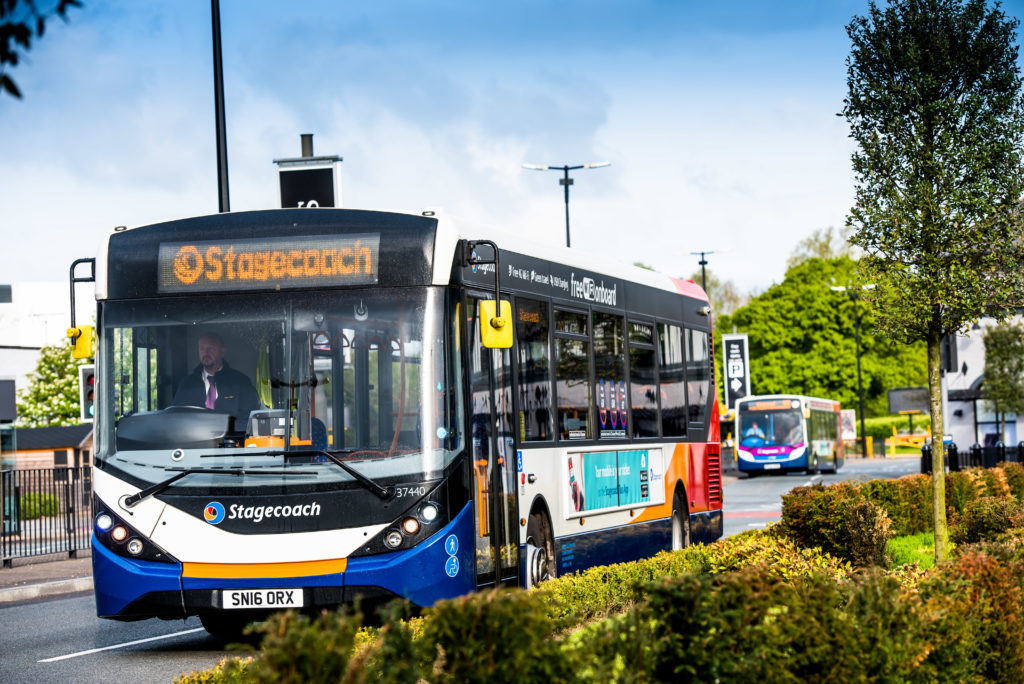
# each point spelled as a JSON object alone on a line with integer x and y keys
{"x": 260, "y": 264}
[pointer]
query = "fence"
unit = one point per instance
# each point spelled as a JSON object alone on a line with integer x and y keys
{"x": 976, "y": 456}
{"x": 45, "y": 511}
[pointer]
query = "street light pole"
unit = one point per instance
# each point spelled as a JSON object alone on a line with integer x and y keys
{"x": 565, "y": 182}
{"x": 224, "y": 201}
{"x": 703, "y": 273}
{"x": 854, "y": 296}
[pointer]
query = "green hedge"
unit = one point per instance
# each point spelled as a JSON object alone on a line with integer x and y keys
{"x": 36, "y": 505}
{"x": 880, "y": 427}
{"x": 765, "y": 605}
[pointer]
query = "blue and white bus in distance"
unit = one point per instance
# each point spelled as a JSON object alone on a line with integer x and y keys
{"x": 786, "y": 432}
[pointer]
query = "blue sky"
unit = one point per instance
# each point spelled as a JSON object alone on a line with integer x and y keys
{"x": 719, "y": 120}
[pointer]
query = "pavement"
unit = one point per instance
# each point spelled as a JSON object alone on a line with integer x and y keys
{"x": 33, "y": 578}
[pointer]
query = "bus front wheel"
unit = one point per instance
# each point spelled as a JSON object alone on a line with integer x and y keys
{"x": 540, "y": 551}
{"x": 680, "y": 523}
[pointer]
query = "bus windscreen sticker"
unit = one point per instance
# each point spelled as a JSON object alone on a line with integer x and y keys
{"x": 271, "y": 263}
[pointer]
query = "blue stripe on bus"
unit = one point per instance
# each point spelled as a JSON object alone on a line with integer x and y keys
{"x": 427, "y": 573}
{"x": 118, "y": 580}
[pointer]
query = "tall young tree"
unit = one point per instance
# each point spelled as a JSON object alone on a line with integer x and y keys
{"x": 1004, "y": 370}
{"x": 934, "y": 103}
{"x": 51, "y": 398}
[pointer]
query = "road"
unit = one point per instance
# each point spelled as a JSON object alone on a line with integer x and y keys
{"x": 61, "y": 639}
{"x": 754, "y": 502}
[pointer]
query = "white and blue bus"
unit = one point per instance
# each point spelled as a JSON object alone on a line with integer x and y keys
{"x": 788, "y": 432}
{"x": 372, "y": 443}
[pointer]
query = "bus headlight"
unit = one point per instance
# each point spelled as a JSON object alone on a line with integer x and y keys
{"x": 393, "y": 539}
{"x": 411, "y": 526}
{"x": 118, "y": 536}
{"x": 104, "y": 522}
{"x": 429, "y": 512}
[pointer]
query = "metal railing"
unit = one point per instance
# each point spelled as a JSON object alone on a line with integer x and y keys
{"x": 977, "y": 456}
{"x": 45, "y": 511}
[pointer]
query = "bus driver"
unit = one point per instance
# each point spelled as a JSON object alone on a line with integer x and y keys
{"x": 216, "y": 385}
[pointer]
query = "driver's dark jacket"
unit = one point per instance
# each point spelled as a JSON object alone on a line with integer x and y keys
{"x": 235, "y": 393}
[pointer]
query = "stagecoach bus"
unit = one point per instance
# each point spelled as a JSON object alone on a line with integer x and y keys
{"x": 409, "y": 412}
{"x": 788, "y": 432}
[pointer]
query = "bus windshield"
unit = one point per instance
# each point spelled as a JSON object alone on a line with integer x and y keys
{"x": 775, "y": 427}
{"x": 366, "y": 375}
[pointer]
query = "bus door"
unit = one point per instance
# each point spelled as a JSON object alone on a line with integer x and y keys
{"x": 493, "y": 457}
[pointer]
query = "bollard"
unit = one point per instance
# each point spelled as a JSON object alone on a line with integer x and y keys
{"x": 975, "y": 456}
{"x": 926, "y": 459}
{"x": 1020, "y": 452}
{"x": 953, "y": 457}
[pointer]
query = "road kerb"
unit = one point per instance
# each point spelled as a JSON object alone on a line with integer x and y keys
{"x": 28, "y": 592}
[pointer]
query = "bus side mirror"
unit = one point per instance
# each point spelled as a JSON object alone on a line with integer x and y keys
{"x": 495, "y": 328}
{"x": 82, "y": 341}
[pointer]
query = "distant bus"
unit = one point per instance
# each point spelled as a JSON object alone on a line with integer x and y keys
{"x": 788, "y": 432}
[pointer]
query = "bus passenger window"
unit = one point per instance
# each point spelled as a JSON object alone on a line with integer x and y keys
{"x": 610, "y": 375}
{"x": 572, "y": 373}
{"x": 698, "y": 374}
{"x": 532, "y": 327}
{"x": 643, "y": 383}
{"x": 670, "y": 377}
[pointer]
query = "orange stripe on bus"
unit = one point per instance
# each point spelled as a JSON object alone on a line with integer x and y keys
{"x": 261, "y": 570}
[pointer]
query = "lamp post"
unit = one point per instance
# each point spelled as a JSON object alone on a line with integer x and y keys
{"x": 854, "y": 296}
{"x": 565, "y": 182}
{"x": 224, "y": 201}
{"x": 703, "y": 274}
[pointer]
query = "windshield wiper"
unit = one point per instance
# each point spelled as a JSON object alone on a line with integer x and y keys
{"x": 380, "y": 490}
{"x": 130, "y": 501}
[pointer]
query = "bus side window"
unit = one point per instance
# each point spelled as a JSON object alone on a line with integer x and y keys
{"x": 643, "y": 380}
{"x": 610, "y": 375}
{"x": 670, "y": 377}
{"x": 572, "y": 374}
{"x": 698, "y": 374}
{"x": 532, "y": 328}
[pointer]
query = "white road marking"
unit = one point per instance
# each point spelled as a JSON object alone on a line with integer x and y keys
{"x": 124, "y": 645}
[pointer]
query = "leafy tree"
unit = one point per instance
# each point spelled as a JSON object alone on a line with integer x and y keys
{"x": 20, "y": 22}
{"x": 51, "y": 398}
{"x": 1004, "y": 370}
{"x": 802, "y": 340}
{"x": 824, "y": 243}
{"x": 934, "y": 104}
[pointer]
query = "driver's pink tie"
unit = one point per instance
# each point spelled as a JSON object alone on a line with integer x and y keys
{"x": 211, "y": 394}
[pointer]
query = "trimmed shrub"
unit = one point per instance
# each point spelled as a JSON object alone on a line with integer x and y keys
{"x": 494, "y": 636}
{"x": 839, "y": 520}
{"x": 985, "y": 518}
{"x": 973, "y": 610}
{"x": 37, "y": 505}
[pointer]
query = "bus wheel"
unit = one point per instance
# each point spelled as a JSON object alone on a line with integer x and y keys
{"x": 680, "y": 523}
{"x": 540, "y": 551}
{"x": 230, "y": 628}
{"x": 812, "y": 467}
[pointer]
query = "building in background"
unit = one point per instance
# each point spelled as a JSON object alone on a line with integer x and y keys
{"x": 968, "y": 416}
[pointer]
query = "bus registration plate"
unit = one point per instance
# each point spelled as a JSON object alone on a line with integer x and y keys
{"x": 772, "y": 466}
{"x": 262, "y": 598}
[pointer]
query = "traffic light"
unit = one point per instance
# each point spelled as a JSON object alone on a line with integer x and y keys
{"x": 87, "y": 392}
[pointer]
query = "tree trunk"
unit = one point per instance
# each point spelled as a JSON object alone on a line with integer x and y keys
{"x": 938, "y": 450}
